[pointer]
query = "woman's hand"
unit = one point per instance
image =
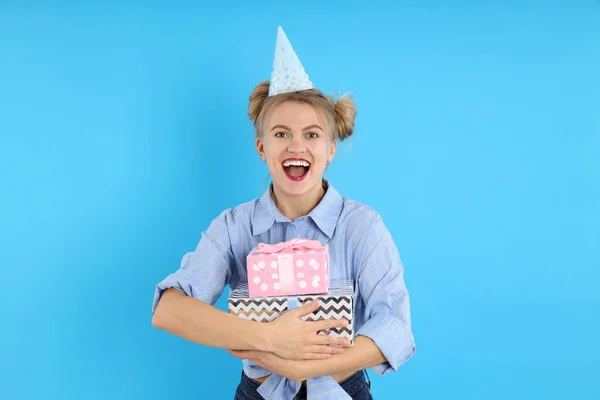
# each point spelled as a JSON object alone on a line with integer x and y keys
{"x": 294, "y": 339}
{"x": 294, "y": 370}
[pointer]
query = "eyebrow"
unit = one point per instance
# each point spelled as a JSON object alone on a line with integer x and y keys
{"x": 288, "y": 129}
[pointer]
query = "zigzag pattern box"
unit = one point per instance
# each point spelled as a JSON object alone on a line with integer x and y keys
{"x": 336, "y": 304}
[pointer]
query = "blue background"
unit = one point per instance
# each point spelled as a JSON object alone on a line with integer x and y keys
{"x": 123, "y": 133}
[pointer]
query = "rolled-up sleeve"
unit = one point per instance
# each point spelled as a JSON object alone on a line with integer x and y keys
{"x": 203, "y": 273}
{"x": 386, "y": 300}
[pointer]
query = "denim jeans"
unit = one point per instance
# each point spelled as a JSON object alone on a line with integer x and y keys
{"x": 356, "y": 386}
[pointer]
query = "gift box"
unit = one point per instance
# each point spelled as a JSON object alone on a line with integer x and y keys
{"x": 295, "y": 267}
{"x": 337, "y": 303}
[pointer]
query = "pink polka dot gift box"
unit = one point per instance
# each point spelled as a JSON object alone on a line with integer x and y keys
{"x": 295, "y": 267}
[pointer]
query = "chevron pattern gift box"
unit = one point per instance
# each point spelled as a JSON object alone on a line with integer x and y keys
{"x": 337, "y": 303}
{"x": 295, "y": 267}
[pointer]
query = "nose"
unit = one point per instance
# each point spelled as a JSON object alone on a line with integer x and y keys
{"x": 296, "y": 145}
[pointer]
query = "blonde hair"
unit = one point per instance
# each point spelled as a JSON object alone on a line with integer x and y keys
{"x": 339, "y": 114}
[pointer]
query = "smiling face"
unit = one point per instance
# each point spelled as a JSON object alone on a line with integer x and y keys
{"x": 296, "y": 144}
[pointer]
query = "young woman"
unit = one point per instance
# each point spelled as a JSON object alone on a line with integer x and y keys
{"x": 297, "y": 131}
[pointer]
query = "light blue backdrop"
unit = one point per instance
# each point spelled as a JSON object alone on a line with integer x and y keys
{"x": 123, "y": 133}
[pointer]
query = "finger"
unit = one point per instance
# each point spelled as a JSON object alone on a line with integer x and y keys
{"x": 305, "y": 309}
{"x": 331, "y": 340}
{"x": 318, "y": 349}
{"x": 329, "y": 323}
{"x": 317, "y": 356}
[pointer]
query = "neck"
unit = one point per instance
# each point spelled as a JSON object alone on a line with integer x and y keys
{"x": 297, "y": 206}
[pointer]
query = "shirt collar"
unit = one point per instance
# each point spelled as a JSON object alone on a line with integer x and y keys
{"x": 325, "y": 214}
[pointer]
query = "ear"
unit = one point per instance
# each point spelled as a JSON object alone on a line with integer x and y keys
{"x": 260, "y": 148}
{"x": 332, "y": 151}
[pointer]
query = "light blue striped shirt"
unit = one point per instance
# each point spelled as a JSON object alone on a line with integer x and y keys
{"x": 361, "y": 249}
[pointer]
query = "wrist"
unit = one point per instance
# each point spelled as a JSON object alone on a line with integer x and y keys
{"x": 262, "y": 337}
{"x": 336, "y": 366}
{"x": 304, "y": 370}
{"x": 340, "y": 376}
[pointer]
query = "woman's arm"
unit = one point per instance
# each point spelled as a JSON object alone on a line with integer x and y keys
{"x": 386, "y": 299}
{"x": 364, "y": 354}
{"x": 183, "y": 301}
{"x": 288, "y": 335}
{"x": 204, "y": 324}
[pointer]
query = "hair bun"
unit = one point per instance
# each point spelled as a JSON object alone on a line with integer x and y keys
{"x": 345, "y": 113}
{"x": 257, "y": 99}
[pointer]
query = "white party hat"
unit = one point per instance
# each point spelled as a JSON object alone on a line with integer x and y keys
{"x": 288, "y": 74}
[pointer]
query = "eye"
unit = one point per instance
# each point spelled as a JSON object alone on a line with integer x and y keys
{"x": 281, "y": 134}
{"x": 312, "y": 135}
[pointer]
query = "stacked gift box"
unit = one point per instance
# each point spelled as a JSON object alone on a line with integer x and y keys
{"x": 288, "y": 275}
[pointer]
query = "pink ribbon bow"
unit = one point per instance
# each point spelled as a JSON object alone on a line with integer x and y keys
{"x": 291, "y": 245}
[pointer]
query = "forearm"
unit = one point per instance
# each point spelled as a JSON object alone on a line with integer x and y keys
{"x": 201, "y": 323}
{"x": 364, "y": 354}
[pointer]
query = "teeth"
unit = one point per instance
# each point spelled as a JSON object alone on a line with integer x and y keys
{"x": 296, "y": 163}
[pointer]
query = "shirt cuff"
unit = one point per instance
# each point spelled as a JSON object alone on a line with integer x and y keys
{"x": 393, "y": 338}
{"x": 164, "y": 285}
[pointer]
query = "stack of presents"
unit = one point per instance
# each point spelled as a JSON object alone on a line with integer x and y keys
{"x": 286, "y": 276}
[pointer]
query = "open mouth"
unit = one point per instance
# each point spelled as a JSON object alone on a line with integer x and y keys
{"x": 296, "y": 169}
